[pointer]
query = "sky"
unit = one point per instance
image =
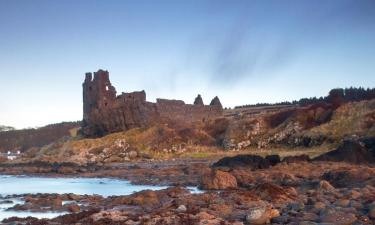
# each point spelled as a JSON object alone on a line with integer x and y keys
{"x": 243, "y": 51}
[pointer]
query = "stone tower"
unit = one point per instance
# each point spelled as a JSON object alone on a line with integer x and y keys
{"x": 198, "y": 100}
{"x": 98, "y": 93}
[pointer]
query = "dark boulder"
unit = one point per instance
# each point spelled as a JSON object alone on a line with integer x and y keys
{"x": 252, "y": 162}
{"x": 296, "y": 159}
{"x": 353, "y": 151}
{"x": 273, "y": 159}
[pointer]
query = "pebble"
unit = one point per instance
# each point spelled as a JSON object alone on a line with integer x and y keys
{"x": 339, "y": 218}
{"x": 307, "y": 223}
{"x": 371, "y": 212}
{"x": 296, "y": 206}
{"x": 261, "y": 215}
{"x": 342, "y": 202}
{"x": 181, "y": 209}
{"x": 354, "y": 194}
{"x": 326, "y": 186}
{"x": 355, "y": 204}
{"x": 319, "y": 205}
{"x": 310, "y": 217}
{"x": 280, "y": 219}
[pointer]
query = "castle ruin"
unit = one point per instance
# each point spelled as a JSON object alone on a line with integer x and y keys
{"x": 105, "y": 112}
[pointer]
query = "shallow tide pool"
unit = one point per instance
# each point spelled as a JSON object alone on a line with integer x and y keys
{"x": 10, "y": 185}
{"x": 101, "y": 186}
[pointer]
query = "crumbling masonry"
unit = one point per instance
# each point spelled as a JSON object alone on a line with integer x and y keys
{"x": 104, "y": 112}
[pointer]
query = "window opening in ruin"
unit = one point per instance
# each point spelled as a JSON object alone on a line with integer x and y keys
{"x": 107, "y": 88}
{"x": 105, "y": 104}
{"x": 90, "y": 88}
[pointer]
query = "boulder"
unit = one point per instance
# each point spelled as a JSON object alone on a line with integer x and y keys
{"x": 261, "y": 215}
{"x": 275, "y": 193}
{"x": 218, "y": 180}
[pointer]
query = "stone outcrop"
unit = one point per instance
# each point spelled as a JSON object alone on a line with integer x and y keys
{"x": 105, "y": 112}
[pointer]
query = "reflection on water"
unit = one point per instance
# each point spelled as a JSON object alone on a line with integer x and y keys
{"x": 11, "y": 185}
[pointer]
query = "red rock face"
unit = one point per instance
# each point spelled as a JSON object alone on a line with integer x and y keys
{"x": 105, "y": 112}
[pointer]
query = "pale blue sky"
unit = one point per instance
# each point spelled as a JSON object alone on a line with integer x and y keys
{"x": 243, "y": 51}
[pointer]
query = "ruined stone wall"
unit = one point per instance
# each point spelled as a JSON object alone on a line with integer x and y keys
{"x": 178, "y": 110}
{"x": 104, "y": 112}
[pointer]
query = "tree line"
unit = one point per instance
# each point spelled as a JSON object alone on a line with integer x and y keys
{"x": 335, "y": 96}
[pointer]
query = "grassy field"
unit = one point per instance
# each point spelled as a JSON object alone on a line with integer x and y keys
{"x": 282, "y": 152}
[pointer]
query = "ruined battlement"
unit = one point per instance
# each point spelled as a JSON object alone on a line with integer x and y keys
{"x": 105, "y": 112}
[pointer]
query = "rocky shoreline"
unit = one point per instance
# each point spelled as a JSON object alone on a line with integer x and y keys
{"x": 295, "y": 192}
{"x": 244, "y": 189}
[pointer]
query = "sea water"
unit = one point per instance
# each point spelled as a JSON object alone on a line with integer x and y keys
{"x": 10, "y": 185}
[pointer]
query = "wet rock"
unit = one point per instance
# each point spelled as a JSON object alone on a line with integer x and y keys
{"x": 73, "y": 197}
{"x": 43, "y": 202}
{"x": 6, "y": 202}
{"x": 74, "y": 208}
{"x": 75, "y": 218}
{"x": 145, "y": 198}
{"x": 218, "y": 180}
